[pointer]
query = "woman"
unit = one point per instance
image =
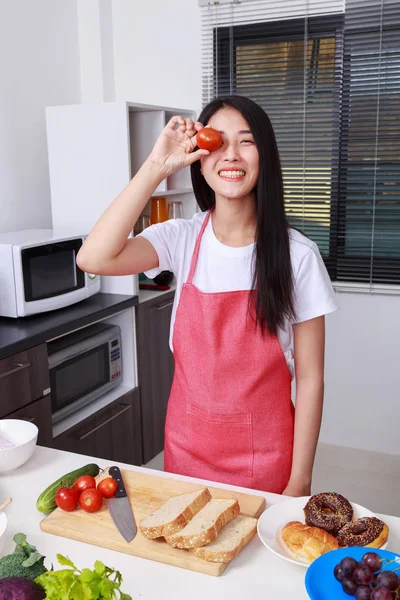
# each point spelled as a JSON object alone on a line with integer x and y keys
{"x": 251, "y": 296}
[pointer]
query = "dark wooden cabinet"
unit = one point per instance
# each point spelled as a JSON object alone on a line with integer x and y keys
{"x": 39, "y": 413}
{"x": 24, "y": 377}
{"x": 113, "y": 433}
{"x": 155, "y": 369}
{"x": 131, "y": 428}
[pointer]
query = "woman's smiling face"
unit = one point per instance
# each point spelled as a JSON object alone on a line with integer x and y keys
{"x": 232, "y": 170}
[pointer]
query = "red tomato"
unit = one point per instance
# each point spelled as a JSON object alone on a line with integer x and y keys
{"x": 209, "y": 139}
{"x": 107, "y": 487}
{"x": 67, "y": 498}
{"x": 91, "y": 500}
{"x": 85, "y": 482}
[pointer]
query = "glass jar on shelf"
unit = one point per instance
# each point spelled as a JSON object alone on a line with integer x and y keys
{"x": 159, "y": 210}
{"x": 175, "y": 210}
{"x": 141, "y": 224}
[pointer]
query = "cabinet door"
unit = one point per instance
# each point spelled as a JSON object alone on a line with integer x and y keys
{"x": 39, "y": 413}
{"x": 24, "y": 377}
{"x": 155, "y": 370}
{"x": 113, "y": 433}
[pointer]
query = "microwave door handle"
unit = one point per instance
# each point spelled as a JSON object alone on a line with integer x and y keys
{"x": 119, "y": 413}
{"x": 18, "y": 367}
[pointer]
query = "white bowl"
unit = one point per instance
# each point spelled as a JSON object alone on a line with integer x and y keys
{"x": 3, "y": 527}
{"x": 23, "y": 435}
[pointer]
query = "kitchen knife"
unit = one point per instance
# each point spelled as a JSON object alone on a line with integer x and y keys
{"x": 120, "y": 508}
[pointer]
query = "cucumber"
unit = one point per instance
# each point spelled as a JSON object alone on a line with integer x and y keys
{"x": 46, "y": 502}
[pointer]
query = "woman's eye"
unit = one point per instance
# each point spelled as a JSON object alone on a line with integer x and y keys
{"x": 247, "y": 142}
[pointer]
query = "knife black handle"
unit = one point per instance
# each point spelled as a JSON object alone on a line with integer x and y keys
{"x": 115, "y": 473}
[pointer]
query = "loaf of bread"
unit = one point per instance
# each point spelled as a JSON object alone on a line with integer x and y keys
{"x": 174, "y": 514}
{"x": 230, "y": 541}
{"x": 305, "y": 542}
{"x": 206, "y": 525}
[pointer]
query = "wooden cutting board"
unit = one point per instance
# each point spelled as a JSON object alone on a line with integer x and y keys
{"x": 146, "y": 493}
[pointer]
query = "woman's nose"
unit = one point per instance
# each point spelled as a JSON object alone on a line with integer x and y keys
{"x": 230, "y": 151}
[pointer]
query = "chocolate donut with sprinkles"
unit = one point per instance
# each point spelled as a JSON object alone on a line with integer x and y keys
{"x": 366, "y": 531}
{"x": 329, "y": 511}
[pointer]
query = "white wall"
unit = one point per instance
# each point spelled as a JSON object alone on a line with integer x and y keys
{"x": 362, "y": 407}
{"x": 157, "y": 52}
{"x": 39, "y": 66}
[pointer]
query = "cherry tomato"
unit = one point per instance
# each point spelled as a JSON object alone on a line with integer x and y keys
{"x": 67, "y": 498}
{"x": 85, "y": 482}
{"x": 107, "y": 487}
{"x": 209, "y": 139}
{"x": 91, "y": 500}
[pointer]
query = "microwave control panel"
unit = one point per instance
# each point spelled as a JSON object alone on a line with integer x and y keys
{"x": 115, "y": 359}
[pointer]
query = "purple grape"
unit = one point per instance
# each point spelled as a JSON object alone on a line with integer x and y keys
{"x": 348, "y": 565}
{"x": 381, "y": 593}
{"x": 338, "y": 573}
{"x": 372, "y": 560}
{"x": 388, "y": 579}
{"x": 362, "y": 575}
{"x": 349, "y": 586}
{"x": 374, "y": 582}
{"x": 363, "y": 592}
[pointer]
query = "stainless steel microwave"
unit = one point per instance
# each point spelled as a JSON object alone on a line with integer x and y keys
{"x": 83, "y": 366}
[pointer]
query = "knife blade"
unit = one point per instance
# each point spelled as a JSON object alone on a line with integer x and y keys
{"x": 120, "y": 508}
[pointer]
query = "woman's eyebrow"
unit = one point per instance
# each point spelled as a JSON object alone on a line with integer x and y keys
{"x": 245, "y": 131}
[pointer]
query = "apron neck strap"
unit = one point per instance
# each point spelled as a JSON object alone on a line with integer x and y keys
{"x": 195, "y": 256}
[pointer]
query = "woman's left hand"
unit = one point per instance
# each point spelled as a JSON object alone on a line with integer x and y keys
{"x": 295, "y": 489}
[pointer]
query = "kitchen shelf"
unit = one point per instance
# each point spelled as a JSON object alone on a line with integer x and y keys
{"x": 173, "y": 192}
{"x": 94, "y": 150}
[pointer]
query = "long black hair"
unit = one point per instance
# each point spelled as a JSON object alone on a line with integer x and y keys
{"x": 272, "y": 277}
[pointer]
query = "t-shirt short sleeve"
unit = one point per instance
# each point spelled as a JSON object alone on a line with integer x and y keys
{"x": 313, "y": 291}
{"x": 164, "y": 238}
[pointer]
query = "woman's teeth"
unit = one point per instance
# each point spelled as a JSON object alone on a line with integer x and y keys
{"x": 232, "y": 174}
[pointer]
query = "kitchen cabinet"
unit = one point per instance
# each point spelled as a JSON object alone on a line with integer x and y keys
{"x": 39, "y": 413}
{"x": 112, "y": 433}
{"x": 155, "y": 369}
{"x": 112, "y": 427}
{"x": 110, "y": 141}
{"x": 24, "y": 377}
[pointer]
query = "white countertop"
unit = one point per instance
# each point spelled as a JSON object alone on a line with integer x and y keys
{"x": 255, "y": 572}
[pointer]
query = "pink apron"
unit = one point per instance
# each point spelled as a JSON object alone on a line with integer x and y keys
{"x": 230, "y": 417}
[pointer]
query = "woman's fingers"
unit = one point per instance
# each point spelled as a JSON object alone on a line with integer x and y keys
{"x": 190, "y": 128}
{"x": 174, "y": 121}
{"x": 187, "y": 127}
{"x": 193, "y": 156}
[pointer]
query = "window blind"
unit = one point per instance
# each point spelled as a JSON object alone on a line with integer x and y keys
{"x": 294, "y": 59}
{"x": 369, "y": 195}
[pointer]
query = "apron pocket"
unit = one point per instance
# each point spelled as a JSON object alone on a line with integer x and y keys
{"x": 224, "y": 442}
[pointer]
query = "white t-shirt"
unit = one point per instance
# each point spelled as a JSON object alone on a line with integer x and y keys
{"x": 222, "y": 268}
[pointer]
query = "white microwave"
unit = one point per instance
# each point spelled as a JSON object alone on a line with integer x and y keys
{"x": 38, "y": 272}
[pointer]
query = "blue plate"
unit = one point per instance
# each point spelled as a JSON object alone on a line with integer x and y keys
{"x": 320, "y": 580}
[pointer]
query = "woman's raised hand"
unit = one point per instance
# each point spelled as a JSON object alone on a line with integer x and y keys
{"x": 174, "y": 148}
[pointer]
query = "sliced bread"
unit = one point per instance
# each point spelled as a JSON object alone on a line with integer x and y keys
{"x": 174, "y": 514}
{"x": 206, "y": 525}
{"x": 232, "y": 538}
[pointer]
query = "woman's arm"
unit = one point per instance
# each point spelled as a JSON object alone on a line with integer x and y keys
{"x": 309, "y": 350}
{"x": 107, "y": 250}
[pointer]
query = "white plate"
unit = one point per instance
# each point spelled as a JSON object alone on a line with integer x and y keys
{"x": 277, "y": 515}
